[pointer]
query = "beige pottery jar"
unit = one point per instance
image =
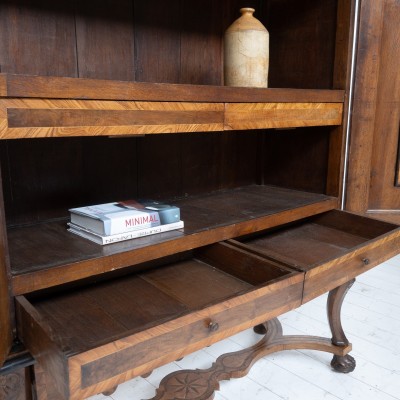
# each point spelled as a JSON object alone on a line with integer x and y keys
{"x": 246, "y": 52}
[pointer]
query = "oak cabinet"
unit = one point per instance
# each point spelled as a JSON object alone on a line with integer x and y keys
{"x": 105, "y": 101}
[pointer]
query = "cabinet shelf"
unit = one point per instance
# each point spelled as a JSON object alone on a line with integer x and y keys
{"x": 33, "y": 106}
{"x": 47, "y": 87}
{"x": 46, "y": 254}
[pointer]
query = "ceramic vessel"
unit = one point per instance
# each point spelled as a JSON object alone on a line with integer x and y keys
{"x": 246, "y": 52}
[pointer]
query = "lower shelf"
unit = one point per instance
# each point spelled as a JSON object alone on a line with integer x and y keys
{"x": 89, "y": 340}
{"x": 46, "y": 255}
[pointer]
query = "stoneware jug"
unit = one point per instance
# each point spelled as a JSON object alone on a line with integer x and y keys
{"x": 246, "y": 52}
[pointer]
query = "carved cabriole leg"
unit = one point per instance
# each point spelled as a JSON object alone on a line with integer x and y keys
{"x": 201, "y": 384}
{"x": 336, "y": 296}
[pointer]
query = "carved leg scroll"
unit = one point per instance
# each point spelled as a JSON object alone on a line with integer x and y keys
{"x": 336, "y": 296}
{"x": 201, "y": 384}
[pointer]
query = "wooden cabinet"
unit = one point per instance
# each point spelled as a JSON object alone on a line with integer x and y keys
{"x": 116, "y": 100}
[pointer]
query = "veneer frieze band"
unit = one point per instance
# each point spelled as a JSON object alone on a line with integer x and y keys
{"x": 31, "y": 118}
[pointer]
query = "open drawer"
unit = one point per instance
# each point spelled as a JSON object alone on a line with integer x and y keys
{"x": 331, "y": 248}
{"x": 93, "y": 338}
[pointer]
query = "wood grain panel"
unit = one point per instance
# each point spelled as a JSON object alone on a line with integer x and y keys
{"x": 201, "y": 163}
{"x": 302, "y": 47}
{"x": 376, "y": 114}
{"x": 26, "y": 118}
{"x": 384, "y": 194}
{"x": 85, "y": 118}
{"x": 46, "y": 118}
{"x": 99, "y": 89}
{"x": 157, "y": 40}
{"x": 281, "y": 115}
{"x": 341, "y": 79}
{"x": 38, "y": 38}
{"x": 195, "y": 283}
{"x": 105, "y": 39}
{"x": 157, "y": 59}
{"x": 365, "y": 101}
{"x": 397, "y": 172}
{"x": 241, "y": 149}
{"x": 160, "y": 174}
{"x": 201, "y": 43}
{"x": 297, "y": 158}
{"x": 106, "y": 310}
{"x": 3, "y": 85}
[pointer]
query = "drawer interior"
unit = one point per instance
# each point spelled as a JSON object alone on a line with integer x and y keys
{"x": 316, "y": 240}
{"x": 91, "y": 316}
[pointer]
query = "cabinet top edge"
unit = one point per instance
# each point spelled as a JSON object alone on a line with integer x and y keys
{"x": 55, "y": 87}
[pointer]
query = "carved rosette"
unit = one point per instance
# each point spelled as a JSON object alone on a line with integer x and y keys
{"x": 11, "y": 386}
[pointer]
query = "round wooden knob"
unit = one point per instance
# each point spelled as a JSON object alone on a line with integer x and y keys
{"x": 365, "y": 261}
{"x": 213, "y": 326}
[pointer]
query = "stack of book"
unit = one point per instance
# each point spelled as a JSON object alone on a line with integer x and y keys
{"x": 114, "y": 222}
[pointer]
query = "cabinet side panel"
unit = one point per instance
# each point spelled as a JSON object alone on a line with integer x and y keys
{"x": 105, "y": 39}
{"x": 341, "y": 80}
{"x": 37, "y": 38}
{"x": 365, "y": 103}
{"x": 384, "y": 187}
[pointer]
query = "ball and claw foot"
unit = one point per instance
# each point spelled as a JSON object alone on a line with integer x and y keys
{"x": 344, "y": 364}
{"x": 260, "y": 329}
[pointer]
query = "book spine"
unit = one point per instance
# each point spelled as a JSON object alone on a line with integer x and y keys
{"x": 125, "y": 236}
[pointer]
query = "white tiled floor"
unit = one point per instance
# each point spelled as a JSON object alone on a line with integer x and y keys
{"x": 371, "y": 320}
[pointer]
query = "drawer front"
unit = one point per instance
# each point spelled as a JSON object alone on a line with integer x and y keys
{"x": 326, "y": 277}
{"x": 123, "y": 359}
{"x": 81, "y": 375}
{"x": 330, "y": 248}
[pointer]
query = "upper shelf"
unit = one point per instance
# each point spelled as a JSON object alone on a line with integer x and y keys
{"x": 36, "y": 106}
{"x": 50, "y": 87}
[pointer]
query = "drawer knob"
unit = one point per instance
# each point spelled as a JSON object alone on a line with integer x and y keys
{"x": 213, "y": 326}
{"x": 365, "y": 261}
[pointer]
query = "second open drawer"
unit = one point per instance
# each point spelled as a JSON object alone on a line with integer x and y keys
{"x": 331, "y": 248}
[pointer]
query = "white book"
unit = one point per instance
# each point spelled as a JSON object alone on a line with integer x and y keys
{"x": 121, "y": 217}
{"x": 109, "y": 239}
